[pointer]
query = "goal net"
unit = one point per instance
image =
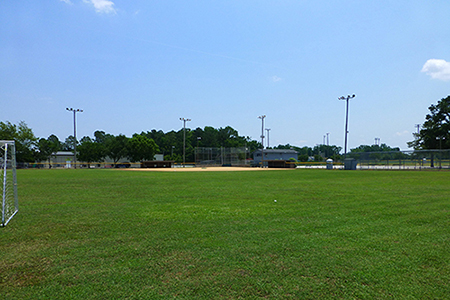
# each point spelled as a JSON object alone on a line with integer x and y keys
{"x": 10, "y": 202}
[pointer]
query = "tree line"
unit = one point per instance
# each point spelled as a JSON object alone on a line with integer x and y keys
{"x": 140, "y": 147}
{"x": 145, "y": 145}
{"x": 433, "y": 134}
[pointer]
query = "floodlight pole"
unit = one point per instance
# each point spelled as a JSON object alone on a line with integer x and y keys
{"x": 184, "y": 140}
{"x": 196, "y": 151}
{"x": 268, "y": 130}
{"x": 262, "y": 139}
{"x": 346, "y": 121}
{"x": 74, "y": 134}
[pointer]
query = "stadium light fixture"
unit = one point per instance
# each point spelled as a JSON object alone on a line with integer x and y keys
{"x": 346, "y": 121}
{"x": 184, "y": 140}
{"x": 74, "y": 134}
{"x": 262, "y": 139}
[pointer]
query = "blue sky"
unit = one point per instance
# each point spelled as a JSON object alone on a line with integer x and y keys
{"x": 134, "y": 66}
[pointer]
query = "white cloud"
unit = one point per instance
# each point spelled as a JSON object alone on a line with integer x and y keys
{"x": 66, "y": 1}
{"x": 437, "y": 69}
{"x": 276, "y": 78}
{"x": 403, "y": 133}
{"x": 102, "y": 6}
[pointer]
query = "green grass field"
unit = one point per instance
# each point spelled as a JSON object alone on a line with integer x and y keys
{"x": 114, "y": 234}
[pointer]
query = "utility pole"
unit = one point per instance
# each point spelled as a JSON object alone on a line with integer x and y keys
{"x": 262, "y": 139}
{"x": 184, "y": 140}
{"x": 268, "y": 129}
{"x": 74, "y": 134}
{"x": 418, "y": 128}
{"x": 346, "y": 121}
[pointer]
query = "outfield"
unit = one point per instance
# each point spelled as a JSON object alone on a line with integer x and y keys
{"x": 115, "y": 234}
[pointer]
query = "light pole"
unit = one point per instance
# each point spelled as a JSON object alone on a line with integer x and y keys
{"x": 268, "y": 129}
{"x": 184, "y": 140}
{"x": 440, "y": 151}
{"x": 74, "y": 134}
{"x": 328, "y": 139}
{"x": 262, "y": 139}
{"x": 346, "y": 121}
{"x": 418, "y": 128}
{"x": 196, "y": 151}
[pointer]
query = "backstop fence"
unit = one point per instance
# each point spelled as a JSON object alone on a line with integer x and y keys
{"x": 209, "y": 156}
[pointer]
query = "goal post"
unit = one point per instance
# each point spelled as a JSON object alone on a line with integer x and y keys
{"x": 10, "y": 201}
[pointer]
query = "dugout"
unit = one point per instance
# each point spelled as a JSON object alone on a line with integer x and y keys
{"x": 278, "y": 163}
{"x": 272, "y": 155}
{"x": 157, "y": 164}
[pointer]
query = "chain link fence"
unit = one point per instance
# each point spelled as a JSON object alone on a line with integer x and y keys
{"x": 410, "y": 159}
{"x": 209, "y": 156}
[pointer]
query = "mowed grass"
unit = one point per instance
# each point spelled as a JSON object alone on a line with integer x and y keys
{"x": 114, "y": 234}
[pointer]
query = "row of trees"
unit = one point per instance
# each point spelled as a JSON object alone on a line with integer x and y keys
{"x": 434, "y": 134}
{"x": 318, "y": 152}
{"x": 139, "y": 147}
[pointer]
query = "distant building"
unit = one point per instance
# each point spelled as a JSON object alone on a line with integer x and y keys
{"x": 274, "y": 154}
{"x": 61, "y": 159}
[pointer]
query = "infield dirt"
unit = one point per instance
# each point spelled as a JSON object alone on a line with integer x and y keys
{"x": 210, "y": 169}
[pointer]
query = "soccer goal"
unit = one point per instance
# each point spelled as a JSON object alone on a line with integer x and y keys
{"x": 10, "y": 201}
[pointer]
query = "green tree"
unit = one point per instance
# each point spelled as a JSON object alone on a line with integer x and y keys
{"x": 116, "y": 147}
{"x": 101, "y": 137}
{"x": 47, "y": 147}
{"x": 88, "y": 151}
{"x": 435, "y": 131}
{"x": 173, "y": 146}
{"x": 303, "y": 157}
{"x": 308, "y": 151}
{"x": 55, "y": 143}
{"x": 24, "y": 138}
{"x": 327, "y": 151}
{"x": 43, "y": 150}
{"x": 374, "y": 148}
{"x": 141, "y": 148}
{"x": 228, "y": 137}
{"x": 209, "y": 137}
{"x": 69, "y": 144}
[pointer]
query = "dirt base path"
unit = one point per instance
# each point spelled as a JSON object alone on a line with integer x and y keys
{"x": 204, "y": 169}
